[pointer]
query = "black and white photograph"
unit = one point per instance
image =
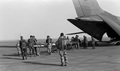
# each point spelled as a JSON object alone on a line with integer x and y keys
{"x": 59, "y": 35}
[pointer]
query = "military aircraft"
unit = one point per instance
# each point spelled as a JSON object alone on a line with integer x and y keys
{"x": 95, "y": 21}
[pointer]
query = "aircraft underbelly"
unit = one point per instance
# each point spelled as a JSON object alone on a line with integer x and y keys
{"x": 95, "y": 29}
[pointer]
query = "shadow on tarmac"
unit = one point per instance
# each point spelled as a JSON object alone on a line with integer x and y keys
{"x": 14, "y": 54}
{"x": 37, "y": 63}
{"x": 7, "y": 46}
{"x": 10, "y": 58}
{"x": 43, "y": 52}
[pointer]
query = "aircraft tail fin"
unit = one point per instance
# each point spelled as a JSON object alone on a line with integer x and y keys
{"x": 87, "y": 7}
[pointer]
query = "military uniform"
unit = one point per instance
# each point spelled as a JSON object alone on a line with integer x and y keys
{"x": 76, "y": 39}
{"x": 49, "y": 45}
{"x": 23, "y": 47}
{"x": 85, "y": 42}
{"x": 93, "y": 43}
{"x": 62, "y": 49}
{"x": 18, "y": 48}
{"x": 30, "y": 45}
{"x": 35, "y": 48}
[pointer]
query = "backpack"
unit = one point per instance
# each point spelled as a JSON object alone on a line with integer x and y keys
{"x": 61, "y": 42}
{"x": 48, "y": 41}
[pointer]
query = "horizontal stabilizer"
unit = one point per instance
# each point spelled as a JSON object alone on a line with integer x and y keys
{"x": 75, "y": 33}
{"x": 94, "y": 29}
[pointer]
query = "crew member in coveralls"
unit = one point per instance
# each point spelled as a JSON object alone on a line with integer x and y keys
{"x": 23, "y": 47}
{"x": 61, "y": 42}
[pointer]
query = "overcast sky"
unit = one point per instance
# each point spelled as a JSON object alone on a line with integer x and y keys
{"x": 42, "y": 17}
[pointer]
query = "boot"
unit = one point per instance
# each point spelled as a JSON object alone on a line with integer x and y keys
{"x": 62, "y": 61}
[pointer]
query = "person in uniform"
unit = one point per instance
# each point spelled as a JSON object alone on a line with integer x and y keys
{"x": 35, "y": 43}
{"x": 18, "y": 48}
{"x": 61, "y": 42}
{"x": 30, "y": 45}
{"x": 93, "y": 43}
{"x": 85, "y": 42}
{"x": 77, "y": 42}
{"x": 23, "y": 47}
{"x": 49, "y": 44}
{"x": 68, "y": 45}
{"x": 72, "y": 42}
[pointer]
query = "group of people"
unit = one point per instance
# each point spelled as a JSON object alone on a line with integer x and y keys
{"x": 77, "y": 43}
{"x": 61, "y": 44}
{"x": 22, "y": 46}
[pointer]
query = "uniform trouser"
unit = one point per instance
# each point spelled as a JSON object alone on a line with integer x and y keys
{"x": 49, "y": 47}
{"x": 19, "y": 50}
{"x": 35, "y": 50}
{"x": 63, "y": 56}
{"x": 77, "y": 45}
{"x": 31, "y": 50}
{"x": 24, "y": 52}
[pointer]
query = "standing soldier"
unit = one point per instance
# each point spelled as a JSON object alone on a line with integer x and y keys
{"x": 49, "y": 44}
{"x": 62, "y": 49}
{"x": 93, "y": 43}
{"x": 18, "y": 48}
{"x": 35, "y": 43}
{"x": 85, "y": 43}
{"x": 23, "y": 47}
{"x": 80, "y": 43}
{"x": 77, "y": 42}
{"x": 30, "y": 45}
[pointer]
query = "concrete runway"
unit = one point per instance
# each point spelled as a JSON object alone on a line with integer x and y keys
{"x": 99, "y": 59}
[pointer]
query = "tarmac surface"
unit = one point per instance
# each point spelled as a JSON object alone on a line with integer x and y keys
{"x": 100, "y": 59}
